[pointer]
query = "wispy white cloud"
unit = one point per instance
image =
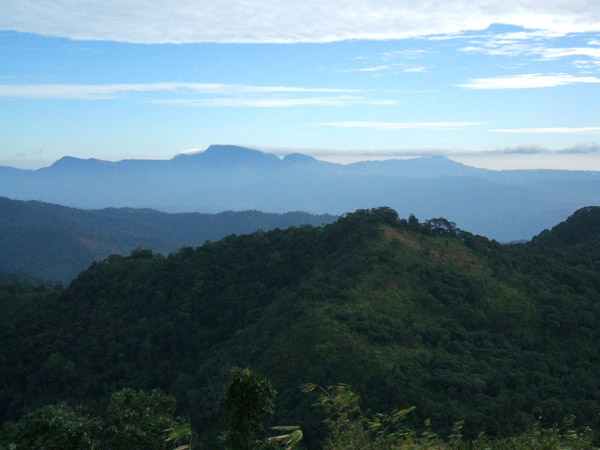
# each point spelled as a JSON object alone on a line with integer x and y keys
{"x": 451, "y": 37}
{"x": 403, "y": 60}
{"x": 538, "y": 44}
{"x": 582, "y": 149}
{"x": 403, "y": 54}
{"x": 579, "y": 149}
{"x": 527, "y": 81}
{"x": 557, "y": 130}
{"x": 530, "y": 49}
{"x": 400, "y": 125}
{"x": 368, "y": 69}
{"x": 110, "y": 91}
{"x": 512, "y": 43}
{"x": 198, "y": 94}
{"x": 284, "y": 21}
{"x": 276, "y": 102}
{"x": 190, "y": 151}
{"x": 583, "y": 64}
{"x": 555, "y": 53}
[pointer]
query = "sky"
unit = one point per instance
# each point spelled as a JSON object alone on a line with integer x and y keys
{"x": 498, "y": 84}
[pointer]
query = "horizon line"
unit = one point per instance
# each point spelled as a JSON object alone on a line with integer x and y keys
{"x": 376, "y": 155}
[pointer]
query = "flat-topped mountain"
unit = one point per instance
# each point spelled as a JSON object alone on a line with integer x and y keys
{"x": 228, "y": 156}
{"x": 505, "y": 205}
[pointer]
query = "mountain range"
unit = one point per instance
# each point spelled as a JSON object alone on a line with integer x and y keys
{"x": 504, "y": 205}
{"x": 55, "y": 243}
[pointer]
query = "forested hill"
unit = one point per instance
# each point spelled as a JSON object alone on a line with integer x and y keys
{"x": 53, "y": 242}
{"x": 583, "y": 227}
{"x": 407, "y": 312}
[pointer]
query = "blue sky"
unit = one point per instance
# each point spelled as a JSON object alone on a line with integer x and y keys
{"x": 496, "y": 84}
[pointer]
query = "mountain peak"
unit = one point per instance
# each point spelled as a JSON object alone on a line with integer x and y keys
{"x": 229, "y": 155}
{"x": 299, "y": 158}
{"x": 70, "y": 162}
{"x": 67, "y": 161}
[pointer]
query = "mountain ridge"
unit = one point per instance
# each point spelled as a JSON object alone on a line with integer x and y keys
{"x": 55, "y": 242}
{"x": 227, "y": 153}
{"x": 504, "y": 205}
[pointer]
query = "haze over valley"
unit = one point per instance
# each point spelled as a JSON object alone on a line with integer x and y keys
{"x": 503, "y": 205}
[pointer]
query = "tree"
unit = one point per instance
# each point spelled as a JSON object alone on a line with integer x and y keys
{"x": 138, "y": 419}
{"x": 413, "y": 223}
{"x": 53, "y": 427}
{"x": 249, "y": 399}
{"x": 441, "y": 227}
{"x": 350, "y": 428}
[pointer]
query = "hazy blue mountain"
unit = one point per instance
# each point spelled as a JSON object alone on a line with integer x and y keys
{"x": 505, "y": 205}
{"x": 54, "y": 242}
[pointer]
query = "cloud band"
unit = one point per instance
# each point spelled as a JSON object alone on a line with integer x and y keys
{"x": 285, "y": 21}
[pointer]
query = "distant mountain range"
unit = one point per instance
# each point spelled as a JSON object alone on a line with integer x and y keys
{"x": 55, "y": 243}
{"x": 505, "y": 205}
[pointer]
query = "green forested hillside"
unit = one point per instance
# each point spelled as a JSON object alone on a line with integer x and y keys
{"x": 53, "y": 242}
{"x": 408, "y": 313}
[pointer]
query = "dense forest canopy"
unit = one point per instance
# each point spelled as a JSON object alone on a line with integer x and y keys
{"x": 409, "y": 313}
{"x": 53, "y": 242}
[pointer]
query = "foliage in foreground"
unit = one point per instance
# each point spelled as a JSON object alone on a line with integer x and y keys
{"x": 137, "y": 421}
{"x": 52, "y": 427}
{"x": 249, "y": 399}
{"x": 350, "y": 428}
